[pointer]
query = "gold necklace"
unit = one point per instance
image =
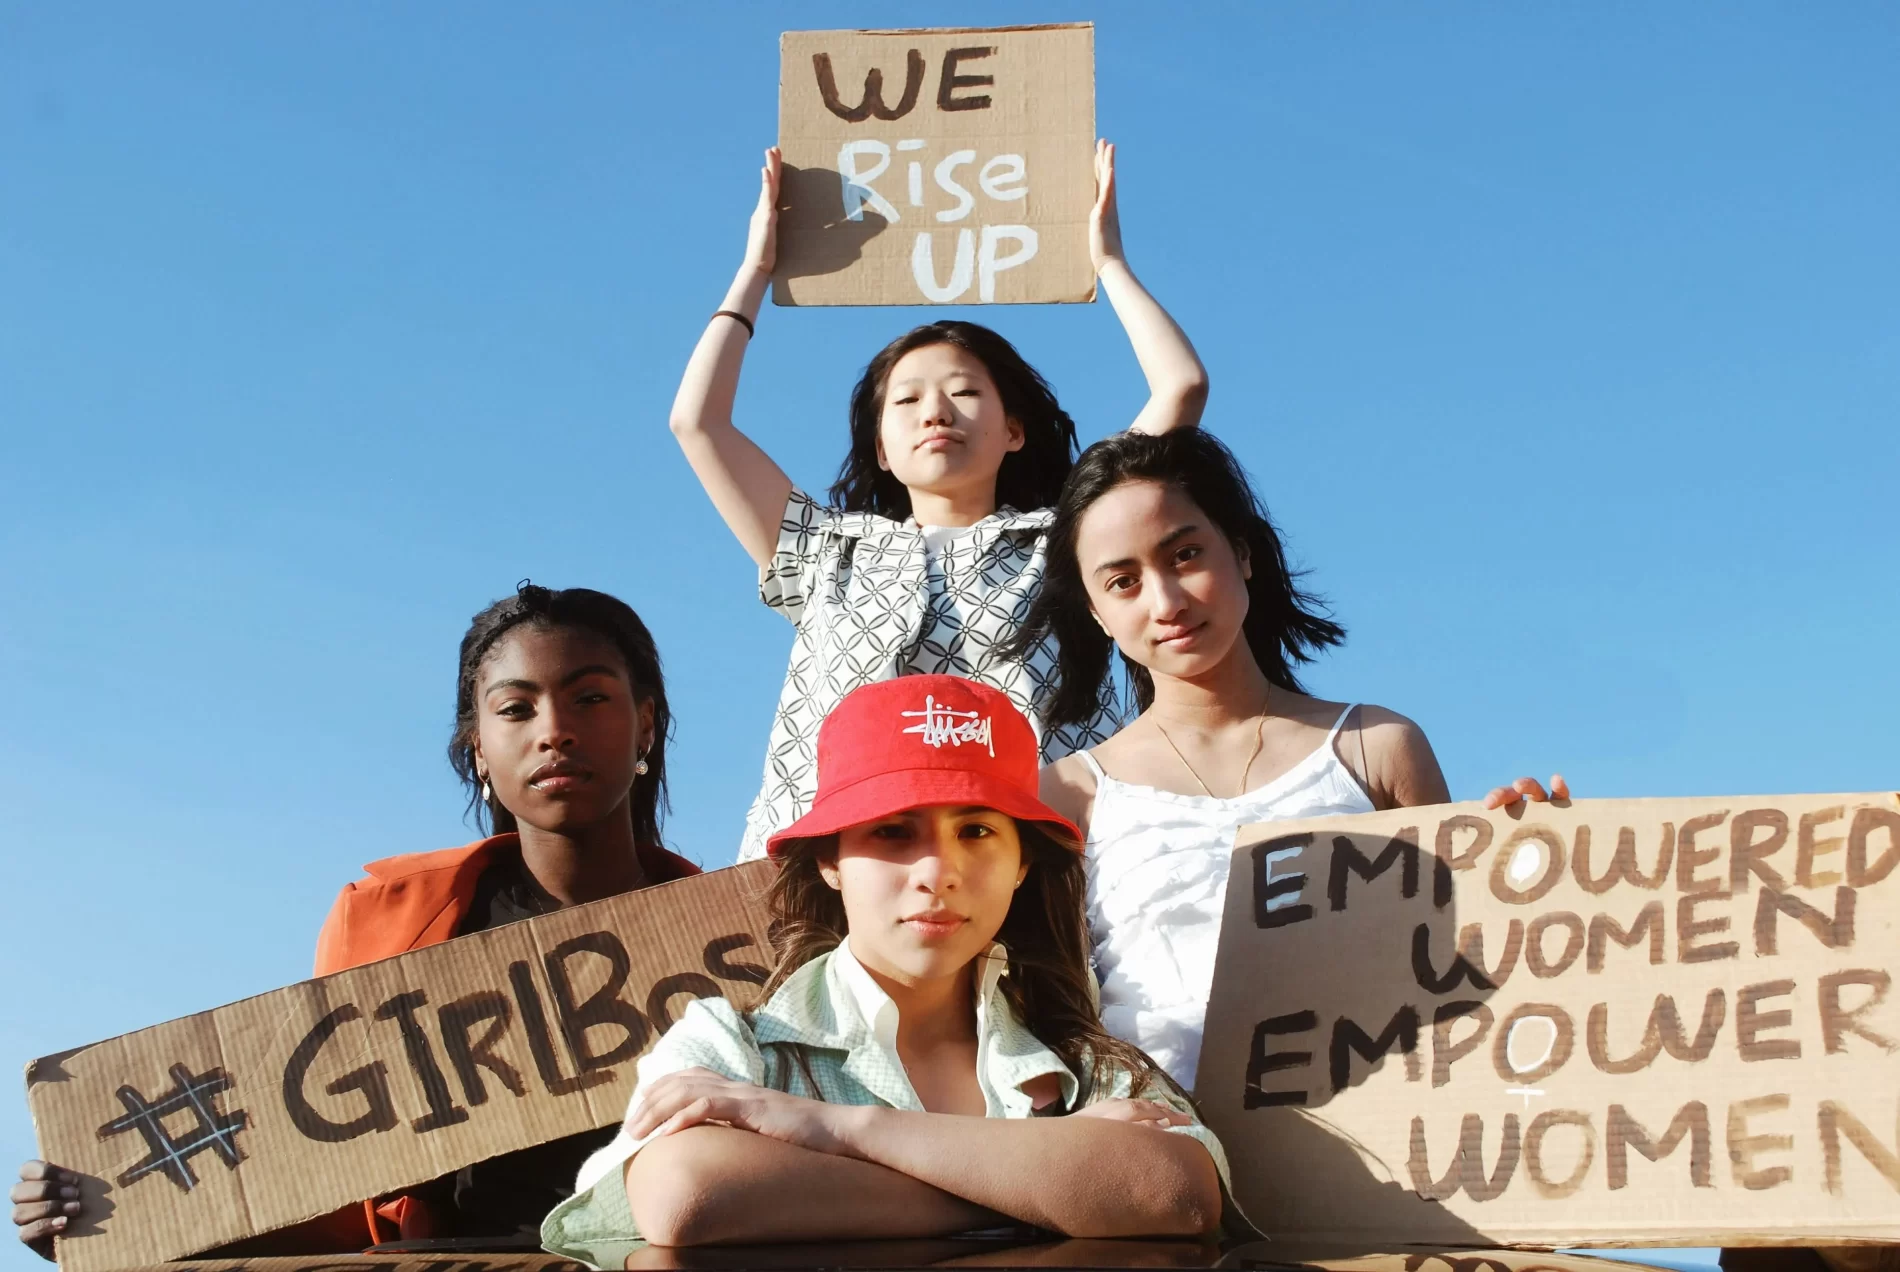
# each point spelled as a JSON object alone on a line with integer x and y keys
{"x": 1259, "y": 736}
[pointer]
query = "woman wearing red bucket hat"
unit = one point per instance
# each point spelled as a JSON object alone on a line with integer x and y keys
{"x": 930, "y": 1011}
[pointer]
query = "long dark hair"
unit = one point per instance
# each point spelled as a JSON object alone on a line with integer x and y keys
{"x": 1285, "y": 624}
{"x": 575, "y": 609}
{"x": 1046, "y": 933}
{"x": 1030, "y": 477}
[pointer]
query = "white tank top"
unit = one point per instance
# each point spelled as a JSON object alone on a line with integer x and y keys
{"x": 1157, "y": 882}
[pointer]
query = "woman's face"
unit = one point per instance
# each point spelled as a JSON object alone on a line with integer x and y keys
{"x": 926, "y": 891}
{"x": 559, "y": 727}
{"x": 1163, "y": 580}
{"x": 942, "y": 427}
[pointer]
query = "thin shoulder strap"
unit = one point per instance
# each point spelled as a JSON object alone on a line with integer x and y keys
{"x": 1093, "y": 766}
{"x": 1340, "y": 723}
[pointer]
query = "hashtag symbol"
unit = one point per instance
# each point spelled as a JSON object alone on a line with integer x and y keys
{"x": 214, "y": 1128}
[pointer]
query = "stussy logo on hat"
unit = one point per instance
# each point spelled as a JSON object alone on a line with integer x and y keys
{"x": 941, "y": 725}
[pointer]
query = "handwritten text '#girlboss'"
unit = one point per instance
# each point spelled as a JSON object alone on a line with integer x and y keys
{"x": 982, "y": 251}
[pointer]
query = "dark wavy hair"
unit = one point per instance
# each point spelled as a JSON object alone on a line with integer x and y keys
{"x": 1049, "y": 985}
{"x": 574, "y": 609}
{"x": 1030, "y": 478}
{"x": 1285, "y": 624}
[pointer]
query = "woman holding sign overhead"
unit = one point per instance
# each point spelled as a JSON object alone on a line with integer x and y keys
{"x": 1160, "y": 548}
{"x": 931, "y": 547}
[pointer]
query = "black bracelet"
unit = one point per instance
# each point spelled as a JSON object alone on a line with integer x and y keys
{"x": 737, "y": 317}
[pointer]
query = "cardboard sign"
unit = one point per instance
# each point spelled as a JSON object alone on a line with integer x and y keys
{"x": 1614, "y": 1021}
{"x": 443, "y": 1262}
{"x": 269, "y": 1111}
{"x": 936, "y": 167}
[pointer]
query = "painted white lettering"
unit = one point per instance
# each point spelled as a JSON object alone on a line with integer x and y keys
{"x": 1001, "y": 171}
{"x": 947, "y": 165}
{"x": 989, "y": 264}
{"x": 924, "y": 269}
{"x": 856, "y": 183}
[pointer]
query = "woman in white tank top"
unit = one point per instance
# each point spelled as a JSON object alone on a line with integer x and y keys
{"x": 1160, "y": 548}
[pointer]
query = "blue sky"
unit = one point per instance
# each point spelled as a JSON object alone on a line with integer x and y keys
{"x": 1563, "y": 341}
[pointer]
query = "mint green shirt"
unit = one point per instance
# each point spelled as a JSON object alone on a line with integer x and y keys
{"x": 847, "y": 1026}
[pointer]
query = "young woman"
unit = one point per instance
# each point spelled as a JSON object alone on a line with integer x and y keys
{"x": 932, "y": 549}
{"x": 561, "y": 724}
{"x": 927, "y": 1026}
{"x": 1159, "y": 548}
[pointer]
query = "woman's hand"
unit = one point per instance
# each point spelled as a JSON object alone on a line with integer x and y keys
{"x": 1105, "y": 222}
{"x": 1140, "y": 1112}
{"x": 693, "y": 1097}
{"x": 44, "y": 1201}
{"x": 1527, "y": 788}
{"x": 761, "y": 242}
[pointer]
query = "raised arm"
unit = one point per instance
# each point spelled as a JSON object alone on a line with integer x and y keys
{"x": 1177, "y": 382}
{"x": 744, "y": 484}
{"x": 1080, "y": 1176}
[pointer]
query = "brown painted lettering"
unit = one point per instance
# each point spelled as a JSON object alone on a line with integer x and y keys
{"x": 1563, "y": 1039}
{"x": 1504, "y": 865}
{"x": 1750, "y": 1021}
{"x": 1835, "y": 1122}
{"x": 1444, "y": 1050}
{"x": 1622, "y": 867}
{"x": 1746, "y": 848}
{"x": 1808, "y": 847}
{"x": 1689, "y": 857}
{"x": 1468, "y": 961}
{"x": 1467, "y": 1163}
{"x": 1348, "y": 1038}
{"x": 1542, "y": 1125}
{"x": 469, "y": 1058}
{"x": 1544, "y": 968}
{"x": 1621, "y": 1132}
{"x": 1836, "y": 932}
{"x": 1261, "y": 1061}
{"x": 1688, "y": 928}
{"x": 873, "y": 101}
{"x": 1450, "y": 859}
{"x": 1866, "y": 821}
{"x": 950, "y": 82}
{"x": 1743, "y": 1148}
{"x": 1401, "y": 849}
{"x": 443, "y": 1110}
{"x": 1664, "y": 1032}
{"x": 1837, "y": 1022}
{"x": 1604, "y": 929}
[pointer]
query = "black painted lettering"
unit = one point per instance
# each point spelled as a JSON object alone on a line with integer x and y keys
{"x": 1744, "y": 1148}
{"x": 1690, "y": 857}
{"x": 1622, "y": 867}
{"x": 1835, "y": 931}
{"x": 467, "y": 1058}
{"x": 950, "y": 82}
{"x": 725, "y": 968}
{"x": 1467, "y": 1162}
{"x": 1349, "y": 1039}
{"x": 1467, "y": 963}
{"x": 443, "y": 1110}
{"x": 1861, "y": 873}
{"x": 1267, "y": 889}
{"x": 1401, "y": 849}
{"x": 1751, "y": 1022}
{"x": 534, "y": 1019}
{"x": 1449, "y": 858}
{"x": 873, "y": 101}
{"x": 372, "y": 1080}
{"x": 667, "y": 986}
{"x": 1604, "y": 929}
{"x": 1838, "y": 1021}
{"x": 1836, "y": 1122}
{"x": 1664, "y": 1032}
{"x": 603, "y": 1007}
{"x": 1621, "y": 1132}
{"x": 1445, "y": 1018}
{"x": 1690, "y": 929}
{"x": 1542, "y": 1125}
{"x": 1261, "y": 1062}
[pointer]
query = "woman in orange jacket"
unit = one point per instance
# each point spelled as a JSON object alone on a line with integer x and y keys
{"x": 561, "y": 724}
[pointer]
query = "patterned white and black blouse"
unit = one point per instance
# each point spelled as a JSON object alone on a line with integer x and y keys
{"x": 870, "y": 603}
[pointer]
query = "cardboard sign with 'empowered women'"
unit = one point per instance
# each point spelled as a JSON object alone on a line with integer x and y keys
{"x": 936, "y": 167}
{"x": 194, "y": 1133}
{"x": 1618, "y": 1020}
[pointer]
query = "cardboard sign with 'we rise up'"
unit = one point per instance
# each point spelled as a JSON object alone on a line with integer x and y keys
{"x": 201, "y": 1131}
{"x": 1607, "y": 1022}
{"x": 936, "y": 167}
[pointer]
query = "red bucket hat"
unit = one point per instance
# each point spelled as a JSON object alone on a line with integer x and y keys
{"x": 922, "y": 740}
